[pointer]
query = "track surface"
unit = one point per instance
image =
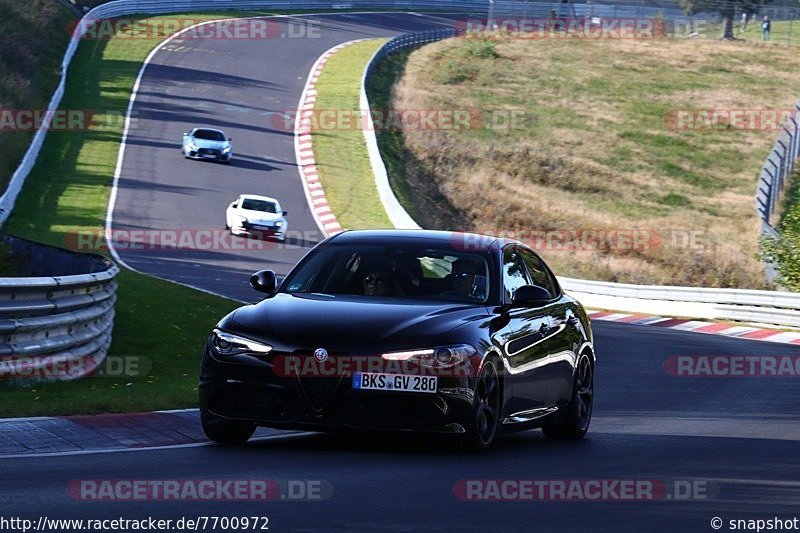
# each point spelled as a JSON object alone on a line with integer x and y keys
{"x": 738, "y": 435}
{"x": 742, "y": 434}
{"x": 240, "y": 86}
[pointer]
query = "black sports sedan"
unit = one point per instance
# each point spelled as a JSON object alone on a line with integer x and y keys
{"x": 416, "y": 330}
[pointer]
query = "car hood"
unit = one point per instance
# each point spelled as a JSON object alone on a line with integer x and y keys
{"x": 349, "y": 324}
{"x": 214, "y": 145}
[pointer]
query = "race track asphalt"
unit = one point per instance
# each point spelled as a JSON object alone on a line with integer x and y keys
{"x": 737, "y": 438}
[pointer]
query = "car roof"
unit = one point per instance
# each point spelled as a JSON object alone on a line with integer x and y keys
{"x": 467, "y": 241}
{"x": 257, "y": 197}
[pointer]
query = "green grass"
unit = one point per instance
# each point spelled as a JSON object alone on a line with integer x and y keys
{"x": 341, "y": 155}
{"x": 785, "y": 250}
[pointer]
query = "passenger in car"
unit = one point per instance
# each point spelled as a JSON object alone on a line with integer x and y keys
{"x": 462, "y": 276}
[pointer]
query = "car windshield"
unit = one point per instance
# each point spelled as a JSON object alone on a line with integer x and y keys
{"x": 209, "y": 135}
{"x": 401, "y": 271}
{"x": 259, "y": 205}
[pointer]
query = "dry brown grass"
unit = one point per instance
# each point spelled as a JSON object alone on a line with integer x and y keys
{"x": 596, "y": 151}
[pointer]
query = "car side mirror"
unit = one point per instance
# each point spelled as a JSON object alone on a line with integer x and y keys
{"x": 264, "y": 281}
{"x": 230, "y": 138}
{"x": 234, "y": 205}
{"x": 285, "y": 213}
{"x": 530, "y": 296}
{"x": 185, "y": 133}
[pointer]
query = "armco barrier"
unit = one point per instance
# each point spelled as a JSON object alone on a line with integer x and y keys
{"x": 55, "y": 327}
{"x": 766, "y": 307}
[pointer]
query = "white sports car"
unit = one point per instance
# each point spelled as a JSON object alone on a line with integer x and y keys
{"x": 256, "y": 216}
{"x": 207, "y": 143}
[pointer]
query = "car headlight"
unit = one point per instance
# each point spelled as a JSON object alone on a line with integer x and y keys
{"x": 278, "y": 224}
{"x": 228, "y": 344}
{"x": 438, "y": 357}
{"x": 226, "y": 150}
{"x": 191, "y": 147}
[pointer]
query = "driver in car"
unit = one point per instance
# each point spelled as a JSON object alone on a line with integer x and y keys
{"x": 376, "y": 283}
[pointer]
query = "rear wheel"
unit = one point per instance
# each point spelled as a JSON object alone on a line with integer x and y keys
{"x": 486, "y": 411}
{"x": 575, "y": 423}
{"x": 226, "y": 431}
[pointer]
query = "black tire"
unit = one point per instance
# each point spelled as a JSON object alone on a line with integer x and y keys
{"x": 486, "y": 412}
{"x": 226, "y": 431}
{"x": 575, "y": 422}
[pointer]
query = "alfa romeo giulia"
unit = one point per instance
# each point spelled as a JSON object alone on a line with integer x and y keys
{"x": 450, "y": 333}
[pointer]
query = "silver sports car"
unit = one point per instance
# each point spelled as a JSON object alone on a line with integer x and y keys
{"x": 206, "y": 143}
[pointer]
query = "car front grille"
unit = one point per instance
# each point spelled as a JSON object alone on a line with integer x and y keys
{"x": 319, "y": 390}
{"x": 208, "y": 151}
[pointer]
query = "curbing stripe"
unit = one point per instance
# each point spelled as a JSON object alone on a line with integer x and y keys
{"x": 699, "y": 326}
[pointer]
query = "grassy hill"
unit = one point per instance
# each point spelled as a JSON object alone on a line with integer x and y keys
{"x": 597, "y": 151}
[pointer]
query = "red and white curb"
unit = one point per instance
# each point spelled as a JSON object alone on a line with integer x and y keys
{"x": 306, "y": 162}
{"x": 699, "y": 326}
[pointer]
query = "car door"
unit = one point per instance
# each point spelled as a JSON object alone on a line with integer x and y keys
{"x": 562, "y": 343}
{"x": 525, "y": 351}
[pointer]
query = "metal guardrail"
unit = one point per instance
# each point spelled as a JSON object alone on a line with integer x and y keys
{"x": 55, "y": 327}
{"x": 777, "y": 168}
{"x": 767, "y": 307}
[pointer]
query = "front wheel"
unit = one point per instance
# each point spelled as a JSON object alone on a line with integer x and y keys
{"x": 575, "y": 423}
{"x": 486, "y": 411}
{"x": 226, "y": 431}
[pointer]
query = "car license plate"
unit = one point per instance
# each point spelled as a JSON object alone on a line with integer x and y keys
{"x": 394, "y": 382}
{"x": 209, "y": 156}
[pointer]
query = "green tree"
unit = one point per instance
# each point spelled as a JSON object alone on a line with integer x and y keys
{"x": 726, "y": 8}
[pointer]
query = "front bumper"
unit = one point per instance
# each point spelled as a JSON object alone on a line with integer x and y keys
{"x": 209, "y": 157}
{"x": 249, "y": 389}
{"x": 262, "y": 232}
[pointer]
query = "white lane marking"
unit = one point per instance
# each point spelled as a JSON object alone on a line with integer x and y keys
{"x": 290, "y": 435}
